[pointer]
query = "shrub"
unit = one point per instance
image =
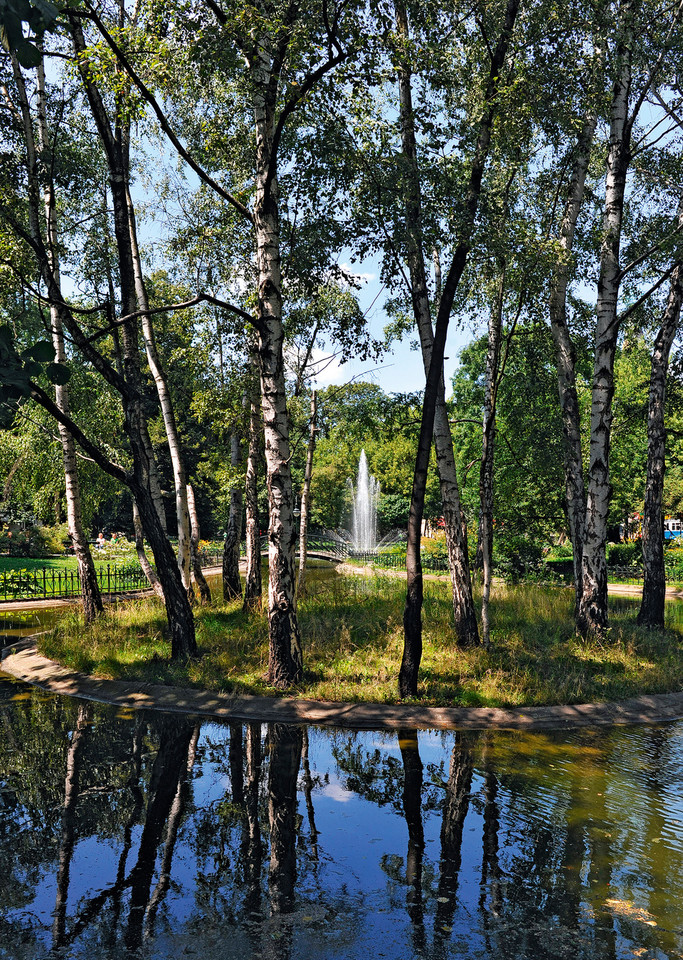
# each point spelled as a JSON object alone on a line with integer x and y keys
{"x": 23, "y": 543}
{"x": 56, "y": 540}
{"x": 629, "y": 554}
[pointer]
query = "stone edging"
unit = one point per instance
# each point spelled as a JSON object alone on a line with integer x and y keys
{"x": 23, "y": 662}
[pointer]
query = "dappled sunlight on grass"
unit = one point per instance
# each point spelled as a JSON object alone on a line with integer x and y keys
{"x": 353, "y": 639}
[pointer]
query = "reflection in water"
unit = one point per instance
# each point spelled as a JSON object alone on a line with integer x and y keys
{"x": 141, "y": 838}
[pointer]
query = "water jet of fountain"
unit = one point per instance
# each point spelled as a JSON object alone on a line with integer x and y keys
{"x": 365, "y": 500}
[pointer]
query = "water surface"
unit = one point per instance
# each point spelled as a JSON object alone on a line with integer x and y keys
{"x": 124, "y": 835}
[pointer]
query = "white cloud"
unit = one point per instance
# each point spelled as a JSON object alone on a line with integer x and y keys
{"x": 335, "y": 791}
{"x": 360, "y": 277}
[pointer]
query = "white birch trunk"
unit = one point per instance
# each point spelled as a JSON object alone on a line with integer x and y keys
{"x": 592, "y": 614}
{"x": 143, "y": 559}
{"x": 285, "y": 658}
{"x": 90, "y": 591}
{"x": 204, "y": 589}
{"x": 252, "y": 582}
{"x": 155, "y": 365}
{"x": 232, "y": 584}
{"x": 487, "y": 451}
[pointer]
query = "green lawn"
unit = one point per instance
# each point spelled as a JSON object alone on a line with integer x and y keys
{"x": 351, "y": 631}
{"x": 10, "y": 564}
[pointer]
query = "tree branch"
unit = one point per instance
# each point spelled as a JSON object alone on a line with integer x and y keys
{"x": 200, "y": 298}
{"x": 149, "y": 97}
{"x": 292, "y": 104}
{"x": 649, "y": 252}
{"x": 113, "y": 469}
{"x": 634, "y": 306}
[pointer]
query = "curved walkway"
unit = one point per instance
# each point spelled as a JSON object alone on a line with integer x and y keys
{"x": 23, "y": 662}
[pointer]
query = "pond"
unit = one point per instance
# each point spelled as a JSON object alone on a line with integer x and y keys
{"x": 15, "y": 624}
{"x": 125, "y": 835}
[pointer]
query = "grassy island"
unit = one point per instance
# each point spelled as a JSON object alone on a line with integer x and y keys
{"x": 352, "y": 630}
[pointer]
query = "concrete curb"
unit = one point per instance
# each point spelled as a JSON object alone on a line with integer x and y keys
{"x": 23, "y": 662}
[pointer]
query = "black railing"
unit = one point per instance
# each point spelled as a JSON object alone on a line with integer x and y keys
{"x": 48, "y": 583}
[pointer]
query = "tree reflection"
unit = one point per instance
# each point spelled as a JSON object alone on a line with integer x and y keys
{"x": 559, "y": 861}
{"x": 455, "y": 810}
{"x": 66, "y": 845}
{"x": 284, "y": 744}
{"x": 254, "y": 845}
{"x": 169, "y": 771}
{"x": 412, "y": 810}
{"x": 490, "y": 863}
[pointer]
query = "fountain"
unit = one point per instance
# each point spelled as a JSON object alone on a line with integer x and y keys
{"x": 364, "y": 517}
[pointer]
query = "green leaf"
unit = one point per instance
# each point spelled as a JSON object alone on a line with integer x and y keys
{"x": 42, "y": 351}
{"x": 32, "y": 369}
{"x": 28, "y": 55}
{"x": 57, "y": 373}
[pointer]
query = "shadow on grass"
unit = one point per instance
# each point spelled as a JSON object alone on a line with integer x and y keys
{"x": 352, "y": 640}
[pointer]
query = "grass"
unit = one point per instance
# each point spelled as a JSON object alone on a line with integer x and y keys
{"x": 110, "y": 555}
{"x": 11, "y": 564}
{"x": 352, "y": 630}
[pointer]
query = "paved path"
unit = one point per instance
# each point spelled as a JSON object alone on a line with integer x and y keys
{"x": 23, "y": 662}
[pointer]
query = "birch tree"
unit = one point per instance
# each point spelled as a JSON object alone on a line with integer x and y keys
{"x": 38, "y": 148}
{"x": 651, "y": 613}
{"x": 463, "y": 606}
{"x": 412, "y": 617}
{"x": 285, "y": 55}
{"x": 627, "y": 99}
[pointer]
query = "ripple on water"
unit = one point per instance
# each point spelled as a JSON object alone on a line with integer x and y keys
{"x": 156, "y": 836}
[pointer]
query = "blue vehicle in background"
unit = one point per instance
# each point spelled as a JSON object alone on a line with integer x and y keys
{"x": 672, "y": 528}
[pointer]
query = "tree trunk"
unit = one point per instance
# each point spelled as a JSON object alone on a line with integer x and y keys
{"x": 285, "y": 745}
{"x": 143, "y": 559}
{"x": 651, "y": 613}
{"x": 252, "y": 584}
{"x": 204, "y": 589}
{"x": 592, "y": 614}
{"x": 114, "y": 142}
{"x": 487, "y": 450}
{"x": 565, "y": 354}
{"x": 284, "y": 654}
{"x": 90, "y": 591}
{"x": 232, "y": 584}
{"x": 412, "y": 616}
{"x": 466, "y": 631}
{"x": 155, "y": 365}
{"x": 305, "y": 497}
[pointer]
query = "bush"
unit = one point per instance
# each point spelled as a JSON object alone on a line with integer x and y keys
{"x": 434, "y": 552}
{"x": 23, "y": 543}
{"x": 513, "y": 555}
{"x": 629, "y": 554}
{"x": 563, "y": 551}
{"x": 392, "y": 511}
{"x": 56, "y": 540}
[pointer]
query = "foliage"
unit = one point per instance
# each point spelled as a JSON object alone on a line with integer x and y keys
{"x": 39, "y": 15}
{"x": 360, "y": 417}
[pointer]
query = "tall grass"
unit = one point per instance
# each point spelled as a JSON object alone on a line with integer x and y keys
{"x": 352, "y": 638}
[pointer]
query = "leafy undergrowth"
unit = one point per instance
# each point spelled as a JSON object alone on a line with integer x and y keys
{"x": 352, "y": 641}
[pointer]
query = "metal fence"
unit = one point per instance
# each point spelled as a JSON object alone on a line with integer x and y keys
{"x": 46, "y": 583}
